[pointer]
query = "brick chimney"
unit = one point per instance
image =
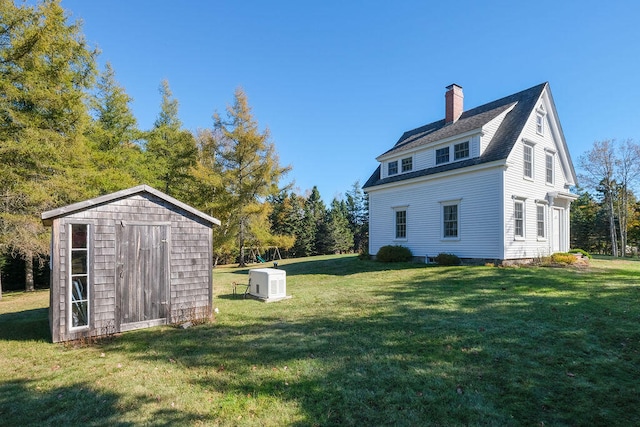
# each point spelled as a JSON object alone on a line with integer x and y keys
{"x": 454, "y": 103}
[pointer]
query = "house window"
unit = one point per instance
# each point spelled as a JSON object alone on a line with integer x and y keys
{"x": 540, "y": 221}
{"x": 540, "y": 124}
{"x": 528, "y": 161}
{"x": 407, "y": 164}
{"x": 461, "y": 151}
{"x": 393, "y": 167}
{"x": 401, "y": 224}
{"x": 450, "y": 221}
{"x": 78, "y": 276}
{"x": 518, "y": 219}
{"x": 442, "y": 155}
{"x": 549, "y": 168}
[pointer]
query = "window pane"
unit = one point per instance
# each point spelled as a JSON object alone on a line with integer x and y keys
{"x": 518, "y": 214}
{"x": 450, "y": 214}
{"x": 549, "y": 165}
{"x": 461, "y": 151}
{"x": 401, "y": 224}
{"x": 407, "y": 164}
{"x": 541, "y": 225}
{"x": 393, "y": 167}
{"x": 528, "y": 159}
{"x": 79, "y": 262}
{"x": 79, "y": 313}
{"x": 442, "y": 155}
{"x": 78, "y": 288}
{"x": 78, "y": 235}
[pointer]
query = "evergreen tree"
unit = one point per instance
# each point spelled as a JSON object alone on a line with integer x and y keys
{"x": 114, "y": 133}
{"x": 45, "y": 70}
{"x": 171, "y": 149}
{"x": 250, "y": 171}
{"x": 335, "y": 234}
{"x": 358, "y": 216}
{"x": 313, "y": 224}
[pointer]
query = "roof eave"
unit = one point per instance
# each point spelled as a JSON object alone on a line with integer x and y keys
{"x": 48, "y": 216}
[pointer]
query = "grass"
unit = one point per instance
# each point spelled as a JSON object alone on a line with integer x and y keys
{"x": 360, "y": 343}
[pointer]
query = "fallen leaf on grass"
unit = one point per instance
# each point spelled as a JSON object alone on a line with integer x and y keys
{"x": 570, "y": 374}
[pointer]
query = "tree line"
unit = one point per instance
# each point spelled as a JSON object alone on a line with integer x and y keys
{"x": 67, "y": 133}
{"x": 605, "y": 219}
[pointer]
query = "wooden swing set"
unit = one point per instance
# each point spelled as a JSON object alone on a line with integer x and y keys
{"x": 253, "y": 255}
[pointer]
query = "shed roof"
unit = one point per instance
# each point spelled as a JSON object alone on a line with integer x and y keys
{"x": 49, "y": 216}
{"x": 499, "y": 148}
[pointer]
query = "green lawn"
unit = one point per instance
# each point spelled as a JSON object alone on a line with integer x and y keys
{"x": 360, "y": 343}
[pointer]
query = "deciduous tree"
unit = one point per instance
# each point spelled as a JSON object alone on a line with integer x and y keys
{"x": 250, "y": 170}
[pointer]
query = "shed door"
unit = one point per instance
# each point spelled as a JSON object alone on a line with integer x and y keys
{"x": 143, "y": 274}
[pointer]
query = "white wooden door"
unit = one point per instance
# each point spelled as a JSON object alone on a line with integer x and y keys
{"x": 557, "y": 228}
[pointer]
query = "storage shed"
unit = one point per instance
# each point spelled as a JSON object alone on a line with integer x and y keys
{"x": 128, "y": 260}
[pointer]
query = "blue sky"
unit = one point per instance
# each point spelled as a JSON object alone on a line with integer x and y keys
{"x": 338, "y": 82}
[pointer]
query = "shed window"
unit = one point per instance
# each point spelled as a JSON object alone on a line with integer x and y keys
{"x": 79, "y": 276}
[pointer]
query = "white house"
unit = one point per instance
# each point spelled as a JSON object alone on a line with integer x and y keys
{"x": 487, "y": 183}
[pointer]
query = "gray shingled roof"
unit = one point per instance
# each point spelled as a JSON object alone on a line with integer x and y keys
{"x": 49, "y": 216}
{"x": 498, "y": 149}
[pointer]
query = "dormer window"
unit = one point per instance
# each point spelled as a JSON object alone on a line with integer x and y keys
{"x": 407, "y": 164}
{"x": 461, "y": 151}
{"x": 442, "y": 155}
{"x": 393, "y": 168}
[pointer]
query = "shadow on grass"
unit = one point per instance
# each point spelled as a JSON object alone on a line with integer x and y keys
{"x": 439, "y": 346}
{"x": 342, "y": 266}
{"x": 22, "y": 403}
{"x": 451, "y": 346}
{"x": 25, "y": 325}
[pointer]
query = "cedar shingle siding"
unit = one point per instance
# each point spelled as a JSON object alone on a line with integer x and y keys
{"x": 149, "y": 262}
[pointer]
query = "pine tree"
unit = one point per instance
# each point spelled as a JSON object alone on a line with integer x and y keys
{"x": 250, "y": 171}
{"x": 314, "y": 219}
{"x": 171, "y": 149}
{"x": 358, "y": 216}
{"x": 46, "y": 68}
{"x": 335, "y": 234}
{"x": 114, "y": 133}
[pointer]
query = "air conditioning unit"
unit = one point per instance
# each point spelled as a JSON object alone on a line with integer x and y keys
{"x": 268, "y": 284}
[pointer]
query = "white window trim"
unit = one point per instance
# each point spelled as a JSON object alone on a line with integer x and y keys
{"x": 400, "y": 165}
{"x": 453, "y": 149}
{"x": 448, "y": 148}
{"x": 522, "y": 200}
{"x": 389, "y": 165}
{"x": 69, "y": 310}
{"x": 396, "y": 209}
{"x": 525, "y": 145}
{"x": 543, "y": 205}
{"x": 454, "y": 202}
{"x": 541, "y": 113}
{"x": 550, "y": 154}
